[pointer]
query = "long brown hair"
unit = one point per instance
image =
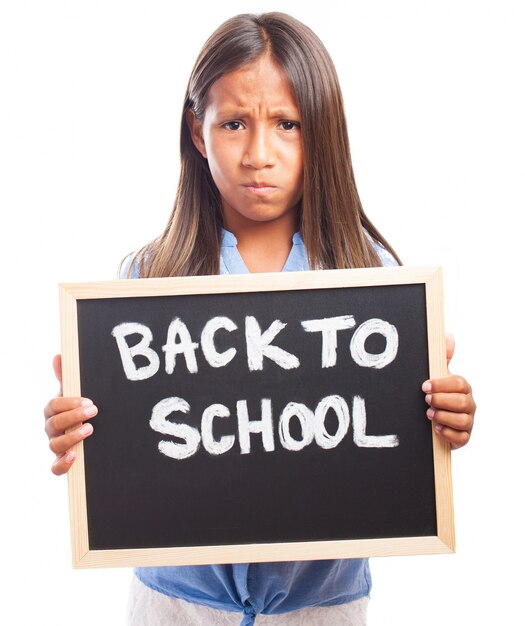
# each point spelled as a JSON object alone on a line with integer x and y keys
{"x": 331, "y": 216}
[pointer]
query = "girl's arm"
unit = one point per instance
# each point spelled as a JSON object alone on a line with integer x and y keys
{"x": 452, "y": 406}
{"x": 62, "y": 414}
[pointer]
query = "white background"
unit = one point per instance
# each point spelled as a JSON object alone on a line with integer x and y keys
{"x": 89, "y": 126}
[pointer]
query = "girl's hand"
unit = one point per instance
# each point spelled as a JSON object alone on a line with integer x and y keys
{"x": 452, "y": 407}
{"x": 61, "y": 414}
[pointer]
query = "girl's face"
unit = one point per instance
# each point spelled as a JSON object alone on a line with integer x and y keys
{"x": 251, "y": 137}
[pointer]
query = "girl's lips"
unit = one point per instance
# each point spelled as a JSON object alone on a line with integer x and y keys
{"x": 260, "y": 189}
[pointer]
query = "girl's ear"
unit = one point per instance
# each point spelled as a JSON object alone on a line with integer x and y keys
{"x": 195, "y": 127}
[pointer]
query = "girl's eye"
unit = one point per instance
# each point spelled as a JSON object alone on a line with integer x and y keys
{"x": 290, "y": 125}
{"x": 232, "y": 125}
{"x": 286, "y": 125}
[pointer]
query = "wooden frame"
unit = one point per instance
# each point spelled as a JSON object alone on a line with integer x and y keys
{"x": 83, "y": 556}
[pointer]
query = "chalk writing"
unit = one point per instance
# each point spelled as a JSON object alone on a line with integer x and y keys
{"x": 311, "y": 422}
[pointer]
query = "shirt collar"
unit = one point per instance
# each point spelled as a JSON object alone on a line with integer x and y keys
{"x": 232, "y": 262}
{"x": 228, "y": 239}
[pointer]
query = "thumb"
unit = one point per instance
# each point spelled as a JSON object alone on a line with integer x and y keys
{"x": 57, "y": 367}
{"x": 450, "y": 343}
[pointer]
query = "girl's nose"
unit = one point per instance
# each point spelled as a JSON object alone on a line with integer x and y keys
{"x": 259, "y": 151}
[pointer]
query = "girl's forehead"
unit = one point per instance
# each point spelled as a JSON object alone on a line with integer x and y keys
{"x": 260, "y": 83}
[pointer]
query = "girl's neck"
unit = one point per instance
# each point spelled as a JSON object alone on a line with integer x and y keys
{"x": 264, "y": 246}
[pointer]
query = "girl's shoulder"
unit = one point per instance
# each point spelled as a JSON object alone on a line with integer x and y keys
{"x": 130, "y": 266}
{"x": 384, "y": 255}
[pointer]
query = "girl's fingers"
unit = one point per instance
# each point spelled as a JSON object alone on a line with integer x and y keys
{"x": 60, "y": 404}
{"x": 456, "y": 438}
{"x": 454, "y": 402}
{"x": 456, "y": 421}
{"x": 61, "y": 445}
{"x": 62, "y": 463}
{"x": 450, "y": 384}
{"x": 64, "y": 413}
{"x": 452, "y": 408}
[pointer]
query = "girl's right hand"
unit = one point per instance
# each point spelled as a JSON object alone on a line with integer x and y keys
{"x": 64, "y": 413}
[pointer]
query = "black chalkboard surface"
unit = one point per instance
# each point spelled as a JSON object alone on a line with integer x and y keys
{"x": 260, "y": 417}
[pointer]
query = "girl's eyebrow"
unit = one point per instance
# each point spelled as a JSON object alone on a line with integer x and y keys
{"x": 274, "y": 113}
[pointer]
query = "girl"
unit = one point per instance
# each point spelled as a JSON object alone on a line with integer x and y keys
{"x": 266, "y": 185}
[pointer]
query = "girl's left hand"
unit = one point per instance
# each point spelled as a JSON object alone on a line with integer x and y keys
{"x": 452, "y": 406}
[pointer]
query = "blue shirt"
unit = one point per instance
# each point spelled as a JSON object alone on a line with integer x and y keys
{"x": 269, "y": 588}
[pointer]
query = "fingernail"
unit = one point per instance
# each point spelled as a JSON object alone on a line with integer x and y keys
{"x": 86, "y": 402}
{"x": 430, "y": 414}
{"x": 70, "y": 457}
{"x": 426, "y": 387}
{"x": 85, "y": 429}
{"x": 428, "y": 399}
{"x": 438, "y": 427}
{"x": 90, "y": 411}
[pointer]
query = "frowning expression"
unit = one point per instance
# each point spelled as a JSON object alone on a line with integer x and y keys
{"x": 251, "y": 137}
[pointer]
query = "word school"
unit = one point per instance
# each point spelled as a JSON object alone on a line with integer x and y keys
{"x": 259, "y": 346}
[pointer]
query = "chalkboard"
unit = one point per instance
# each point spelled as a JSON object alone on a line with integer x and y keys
{"x": 256, "y": 418}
